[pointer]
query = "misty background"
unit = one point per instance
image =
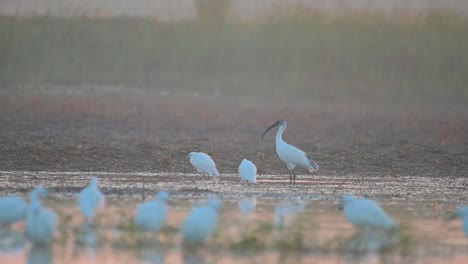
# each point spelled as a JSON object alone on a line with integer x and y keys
{"x": 369, "y": 51}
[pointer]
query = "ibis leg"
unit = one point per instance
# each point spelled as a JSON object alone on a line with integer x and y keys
{"x": 290, "y": 176}
{"x": 294, "y": 173}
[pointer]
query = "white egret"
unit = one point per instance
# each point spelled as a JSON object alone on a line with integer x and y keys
{"x": 292, "y": 156}
{"x": 12, "y": 209}
{"x": 152, "y": 215}
{"x": 248, "y": 171}
{"x": 462, "y": 212}
{"x": 201, "y": 222}
{"x": 40, "y": 221}
{"x": 90, "y": 200}
{"x": 366, "y": 213}
{"x": 204, "y": 164}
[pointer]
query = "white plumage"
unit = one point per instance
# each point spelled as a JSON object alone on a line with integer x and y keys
{"x": 204, "y": 164}
{"x": 40, "y": 221}
{"x": 366, "y": 213}
{"x": 12, "y": 209}
{"x": 292, "y": 156}
{"x": 201, "y": 222}
{"x": 152, "y": 215}
{"x": 248, "y": 171}
{"x": 90, "y": 200}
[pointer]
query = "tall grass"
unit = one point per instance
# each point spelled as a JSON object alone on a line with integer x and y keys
{"x": 306, "y": 54}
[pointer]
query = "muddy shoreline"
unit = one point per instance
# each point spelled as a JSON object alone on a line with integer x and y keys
{"x": 154, "y": 134}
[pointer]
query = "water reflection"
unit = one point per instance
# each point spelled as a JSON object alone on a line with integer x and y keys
{"x": 191, "y": 256}
{"x": 247, "y": 205}
{"x": 290, "y": 208}
{"x": 151, "y": 255}
{"x": 88, "y": 241}
{"x": 371, "y": 241}
{"x": 11, "y": 241}
{"x": 40, "y": 255}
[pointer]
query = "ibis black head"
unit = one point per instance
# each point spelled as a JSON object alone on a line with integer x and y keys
{"x": 277, "y": 123}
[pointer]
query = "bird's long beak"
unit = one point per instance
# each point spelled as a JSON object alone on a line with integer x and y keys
{"x": 270, "y": 127}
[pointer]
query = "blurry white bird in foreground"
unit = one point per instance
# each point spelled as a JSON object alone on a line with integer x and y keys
{"x": 204, "y": 164}
{"x": 40, "y": 221}
{"x": 152, "y": 215}
{"x": 462, "y": 212}
{"x": 292, "y": 156}
{"x": 90, "y": 200}
{"x": 247, "y": 205}
{"x": 201, "y": 222}
{"x": 248, "y": 171}
{"x": 12, "y": 210}
{"x": 287, "y": 209}
{"x": 366, "y": 213}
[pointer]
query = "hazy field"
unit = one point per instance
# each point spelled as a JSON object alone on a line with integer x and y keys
{"x": 304, "y": 55}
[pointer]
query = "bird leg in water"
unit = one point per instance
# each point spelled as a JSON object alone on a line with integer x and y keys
{"x": 294, "y": 173}
{"x": 290, "y": 176}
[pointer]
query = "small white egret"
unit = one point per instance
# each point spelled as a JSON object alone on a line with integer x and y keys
{"x": 247, "y": 205}
{"x": 292, "y": 156}
{"x": 152, "y": 215}
{"x": 204, "y": 164}
{"x": 366, "y": 213}
{"x": 201, "y": 222}
{"x": 462, "y": 212}
{"x": 248, "y": 171}
{"x": 12, "y": 209}
{"x": 90, "y": 200}
{"x": 40, "y": 221}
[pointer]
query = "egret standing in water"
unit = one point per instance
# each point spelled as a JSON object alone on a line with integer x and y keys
{"x": 12, "y": 209}
{"x": 292, "y": 156}
{"x": 248, "y": 171}
{"x": 366, "y": 213}
{"x": 152, "y": 215}
{"x": 462, "y": 212}
{"x": 204, "y": 164}
{"x": 40, "y": 221}
{"x": 90, "y": 200}
{"x": 201, "y": 222}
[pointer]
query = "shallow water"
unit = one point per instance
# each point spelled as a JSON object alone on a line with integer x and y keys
{"x": 314, "y": 231}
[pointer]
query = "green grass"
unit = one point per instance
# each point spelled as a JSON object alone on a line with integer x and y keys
{"x": 305, "y": 55}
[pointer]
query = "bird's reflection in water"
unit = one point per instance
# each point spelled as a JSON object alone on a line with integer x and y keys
{"x": 11, "y": 241}
{"x": 366, "y": 243}
{"x": 247, "y": 205}
{"x": 193, "y": 256}
{"x": 40, "y": 255}
{"x": 88, "y": 239}
{"x": 151, "y": 255}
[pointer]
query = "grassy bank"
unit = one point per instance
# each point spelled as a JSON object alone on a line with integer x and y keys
{"x": 310, "y": 56}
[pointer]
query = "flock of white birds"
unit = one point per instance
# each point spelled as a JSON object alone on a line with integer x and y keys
{"x": 201, "y": 222}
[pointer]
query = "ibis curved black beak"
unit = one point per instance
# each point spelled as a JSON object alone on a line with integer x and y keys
{"x": 277, "y": 123}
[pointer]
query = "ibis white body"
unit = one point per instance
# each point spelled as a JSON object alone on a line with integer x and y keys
{"x": 12, "y": 209}
{"x": 152, "y": 215}
{"x": 201, "y": 222}
{"x": 204, "y": 164}
{"x": 40, "y": 221}
{"x": 90, "y": 200}
{"x": 248, "y": 171}
{"x": 366, "y": 213}
{"x": 289, "y": 154}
